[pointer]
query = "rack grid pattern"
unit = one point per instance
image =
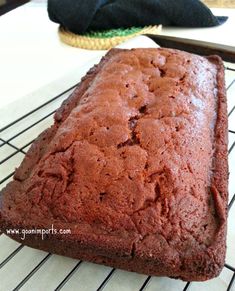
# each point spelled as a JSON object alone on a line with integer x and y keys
{"x": 23, "y": 268}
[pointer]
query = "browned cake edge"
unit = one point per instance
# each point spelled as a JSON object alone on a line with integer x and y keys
{"x": 120, "y": 253}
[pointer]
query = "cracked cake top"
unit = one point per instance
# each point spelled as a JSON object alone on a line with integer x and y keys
{"x": 134, "y": 157}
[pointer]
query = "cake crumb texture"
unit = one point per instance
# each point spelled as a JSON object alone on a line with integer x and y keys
{"x": 131, "y": 167}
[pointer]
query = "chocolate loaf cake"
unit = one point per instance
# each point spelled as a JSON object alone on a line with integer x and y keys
{"x": 135, "y": 167}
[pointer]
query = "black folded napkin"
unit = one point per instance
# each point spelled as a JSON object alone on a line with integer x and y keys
{"x": 81, "y": 16}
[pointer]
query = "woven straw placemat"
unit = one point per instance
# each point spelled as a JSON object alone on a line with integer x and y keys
{"x": 220, "y": 3}
{"x": 104, "y": 40}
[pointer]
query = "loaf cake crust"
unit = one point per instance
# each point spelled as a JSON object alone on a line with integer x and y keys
{"x": 135, "y": 166}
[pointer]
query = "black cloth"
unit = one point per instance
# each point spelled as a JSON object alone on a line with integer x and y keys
{"x": 80, "y": 16}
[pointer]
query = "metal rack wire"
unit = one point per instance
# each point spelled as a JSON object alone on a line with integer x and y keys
{"x": 9, "y": 137}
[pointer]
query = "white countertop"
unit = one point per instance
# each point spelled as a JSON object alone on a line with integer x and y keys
{"x": 33, "y": 57}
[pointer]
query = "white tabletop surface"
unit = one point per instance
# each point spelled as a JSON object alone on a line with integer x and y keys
{"x": 32, "y": 56}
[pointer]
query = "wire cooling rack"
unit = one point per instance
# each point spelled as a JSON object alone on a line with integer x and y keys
{"x": 24, "y": 268}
